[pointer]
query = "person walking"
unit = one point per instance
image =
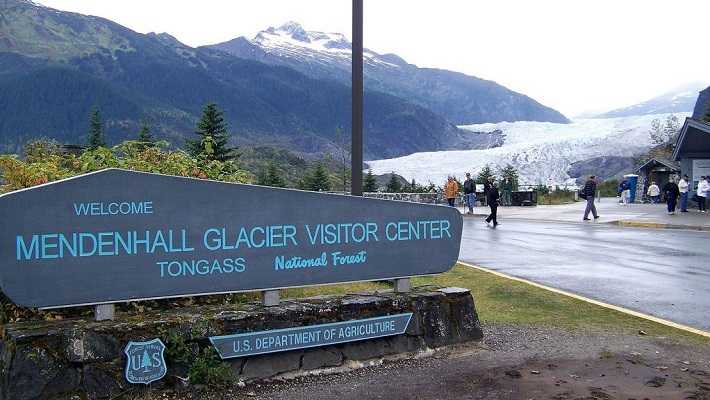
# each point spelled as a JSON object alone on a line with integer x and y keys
{"x": 683, "y": 188}
{"x": 451, "y": 190}
{"x": 492, "y": 198}
{"x": 486, "y": 187}
{"x": 654, "y": 192}
{"x": 588, "y": 192}
{"x": 469, "y": 193}
{"x": 625, "y": 192}
{"x": 702, "y": 193}
{"x": 507, "y": 187}
{"x": 672, "y": 193}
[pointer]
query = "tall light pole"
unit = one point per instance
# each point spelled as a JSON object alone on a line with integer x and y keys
{"x": 357, "y": 97}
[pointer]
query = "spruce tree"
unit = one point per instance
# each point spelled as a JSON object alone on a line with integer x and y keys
{"x": 145, "y": 138}
{"x": 213, "y": 136}
{"x": 512, "y": 174}
{"x": 96, "y": 130}
{"x": 369, "y": 183}
{"x": 486, "y": 172}
{"x": 319, "y": 181}
{"x": 394, "y": 185}
{"x": 271, "y": 177}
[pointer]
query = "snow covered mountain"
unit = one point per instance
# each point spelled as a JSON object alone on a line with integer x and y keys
{"x": 679, "y": 100}
{"x": 539, "y": 150}
{"x": 459, "y": 98}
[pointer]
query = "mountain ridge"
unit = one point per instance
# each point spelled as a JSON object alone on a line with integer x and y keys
{"x": 677, "y": 100}
{"x": 460, "y": 98}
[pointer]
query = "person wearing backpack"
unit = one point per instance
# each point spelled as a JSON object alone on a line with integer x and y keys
{"x": 588, "y": 192}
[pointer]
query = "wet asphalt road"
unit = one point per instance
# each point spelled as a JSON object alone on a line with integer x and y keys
{"x": 665, "y": 273}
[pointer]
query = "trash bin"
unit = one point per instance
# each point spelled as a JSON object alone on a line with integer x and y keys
{"x": 632, "y": 180}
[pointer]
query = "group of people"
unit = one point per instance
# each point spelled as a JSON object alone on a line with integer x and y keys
{"x": 676, "y": 191}
{"x": 490, "y": 191}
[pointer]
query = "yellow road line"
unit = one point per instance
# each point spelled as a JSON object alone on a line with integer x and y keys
{"x": 595, "y": 302}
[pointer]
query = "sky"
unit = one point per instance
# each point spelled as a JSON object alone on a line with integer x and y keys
{"x": 573, "y": 55}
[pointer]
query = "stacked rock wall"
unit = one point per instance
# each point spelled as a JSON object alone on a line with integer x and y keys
{"x": 59, "y": 359}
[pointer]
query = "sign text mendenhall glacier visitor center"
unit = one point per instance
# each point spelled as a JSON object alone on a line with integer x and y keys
{"x": 88, "y": 240}
{"x": 176, "y": 243}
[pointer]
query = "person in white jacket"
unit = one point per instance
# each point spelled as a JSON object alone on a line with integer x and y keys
{"x": 654, "y": 192}
{"x": 683, "y": 187}
{"x": 702, "y": 193}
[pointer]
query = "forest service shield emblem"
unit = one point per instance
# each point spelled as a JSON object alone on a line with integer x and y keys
{"x": 145, "y": 361}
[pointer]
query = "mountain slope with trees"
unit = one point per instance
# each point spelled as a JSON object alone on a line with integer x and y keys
{"x": 56, "y": 66}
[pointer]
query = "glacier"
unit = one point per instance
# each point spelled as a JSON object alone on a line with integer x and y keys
{"x": 542, "y": 152}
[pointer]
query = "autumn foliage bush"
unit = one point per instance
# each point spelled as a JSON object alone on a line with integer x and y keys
{"x": 45, "y": 161}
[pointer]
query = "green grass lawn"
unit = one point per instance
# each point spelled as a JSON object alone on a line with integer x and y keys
{"x": 500, "y": 300}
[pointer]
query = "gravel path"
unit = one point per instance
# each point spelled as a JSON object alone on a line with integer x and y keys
{"x": 512, "y": 362}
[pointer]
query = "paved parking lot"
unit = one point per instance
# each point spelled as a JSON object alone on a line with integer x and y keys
{"x": 662, "y": 272}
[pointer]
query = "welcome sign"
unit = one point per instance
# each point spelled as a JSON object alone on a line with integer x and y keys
{"x": 118, "y": 235}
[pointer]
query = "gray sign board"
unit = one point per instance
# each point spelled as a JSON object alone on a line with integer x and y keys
{"x": 118, "y": 235}
{"x": 302, "y": 337}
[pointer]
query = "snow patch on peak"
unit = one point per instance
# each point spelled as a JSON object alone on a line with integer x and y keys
{"x": 293, "y": 41}
{"x": 295, "y": 31}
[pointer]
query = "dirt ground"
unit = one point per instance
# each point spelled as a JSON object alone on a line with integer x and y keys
{"x": 512, "y": 362}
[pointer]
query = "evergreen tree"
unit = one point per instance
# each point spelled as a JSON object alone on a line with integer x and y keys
{"x": 486, "y": 172}
{"x": 271, "y": 177}
{"x": 316, "y": 180}
{"x": 213, "y": 136}
{"x": 96, "y": 130}
{"x": 511, "y": 173}
{"x": 394, "y": 185}
{"x": 369, "y": 183}
{"x": 145, "y": 138}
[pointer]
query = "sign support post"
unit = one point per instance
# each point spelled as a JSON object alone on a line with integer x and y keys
{"x": 103, "y": 312}
{"x": 270, "y": 298}
{"x": 402, "y": 285}
{"x": 357, "y": 101}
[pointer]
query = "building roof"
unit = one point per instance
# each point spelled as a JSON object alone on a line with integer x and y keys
{"x": 672, "y": 165}
{"x": 693, "y": 140}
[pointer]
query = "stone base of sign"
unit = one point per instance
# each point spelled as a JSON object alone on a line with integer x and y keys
{"x": 58, "y": 359}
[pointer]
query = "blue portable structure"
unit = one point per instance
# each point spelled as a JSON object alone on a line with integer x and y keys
{"x": 632, "y": 180}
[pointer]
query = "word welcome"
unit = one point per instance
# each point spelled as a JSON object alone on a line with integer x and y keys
{"x": 113, "y": 208}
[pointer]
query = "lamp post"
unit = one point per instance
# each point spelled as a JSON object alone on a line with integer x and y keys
{"x": 357, "y": 101}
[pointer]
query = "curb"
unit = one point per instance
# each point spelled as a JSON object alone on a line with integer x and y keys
{"x": 595, "y": 302}
{"x": 657, "y": 225}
